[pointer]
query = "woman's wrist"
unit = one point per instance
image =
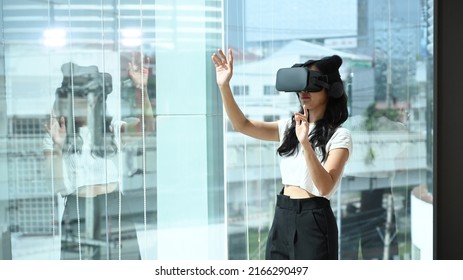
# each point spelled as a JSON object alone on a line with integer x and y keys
{"x": 224, "y": 86}
{"x": 141, "y": 86}
{"x": 306, "y": 146}
{"x": 57, "y": 148}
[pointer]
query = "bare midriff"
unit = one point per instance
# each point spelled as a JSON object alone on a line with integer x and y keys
{"x": 94, "y": 190}
{"x": 296, "y": 192}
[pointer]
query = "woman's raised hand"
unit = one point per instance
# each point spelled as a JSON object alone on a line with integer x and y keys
{"x": 223, "y": 67}
{"x": 139, "y": 69}
{"x": 57, "y": 131}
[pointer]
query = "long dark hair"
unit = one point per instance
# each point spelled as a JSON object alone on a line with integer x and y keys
{"x": 336, "y": 114}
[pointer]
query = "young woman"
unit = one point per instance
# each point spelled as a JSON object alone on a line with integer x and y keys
{"x": 313, "y": 151}
{"x": 82, "y": 148}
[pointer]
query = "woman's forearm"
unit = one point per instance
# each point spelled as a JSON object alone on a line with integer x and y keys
{"x": 234, "y": 113}
{"x": 320, "y": 177}
{"x": 146, "y": 110}
{"x": 54, "y": 169}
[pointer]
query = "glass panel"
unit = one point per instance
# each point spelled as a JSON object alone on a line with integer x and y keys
{"x": 82, "y": 113}
{"x": 384, "y": 205}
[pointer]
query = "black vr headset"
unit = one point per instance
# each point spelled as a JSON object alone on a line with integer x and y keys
{"x": 82, "y": 80}
{"x": 300, "y": 78}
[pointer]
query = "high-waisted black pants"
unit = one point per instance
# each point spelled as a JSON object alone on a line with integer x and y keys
{"x": 107, "y": 238}
{"x": 303, "y": 229}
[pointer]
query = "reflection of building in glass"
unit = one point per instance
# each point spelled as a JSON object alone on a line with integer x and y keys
{"x": 30, "y": 202}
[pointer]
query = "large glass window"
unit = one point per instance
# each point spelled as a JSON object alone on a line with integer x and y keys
{"x": 111, "y": 145}
{"x": 114, "y": 144}
{"x": 384, "y": 205}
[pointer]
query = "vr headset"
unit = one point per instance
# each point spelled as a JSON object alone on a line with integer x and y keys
{"x": 299, "y": 78}
{"x": 82, "y": 80}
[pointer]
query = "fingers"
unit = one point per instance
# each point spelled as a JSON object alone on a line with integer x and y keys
{"x": 133, "y": 65}
{"x": 222, "y": 55}
{"x": 146, "y": 61}
{"x": 230, "y": 56}
{"x": 48, "y": 125}
{"x": 138, "y": 61}
{"x": 47, "y": 129}
{"x": 217, "y": 60}
{"x": 220, "y": 59}
{"x": 62, "y": 123}
{"x": 297, "y": 119}
{"x": 54, "y": 125}
{"x": 300, "y": 117}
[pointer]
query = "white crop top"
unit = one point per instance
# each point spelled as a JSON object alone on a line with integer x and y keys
{"x": 85, "y": 169}
{"x": 293, "y": 168}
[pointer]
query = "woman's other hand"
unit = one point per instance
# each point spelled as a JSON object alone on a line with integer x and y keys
{"x": 57, "y": 131}
{"x": 302, "y": 126}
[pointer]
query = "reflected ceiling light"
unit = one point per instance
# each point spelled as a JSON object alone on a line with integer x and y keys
{"x": 54, "y": 37}
{"x": 131, "y": 37}
{"x": 162, "y": 45}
